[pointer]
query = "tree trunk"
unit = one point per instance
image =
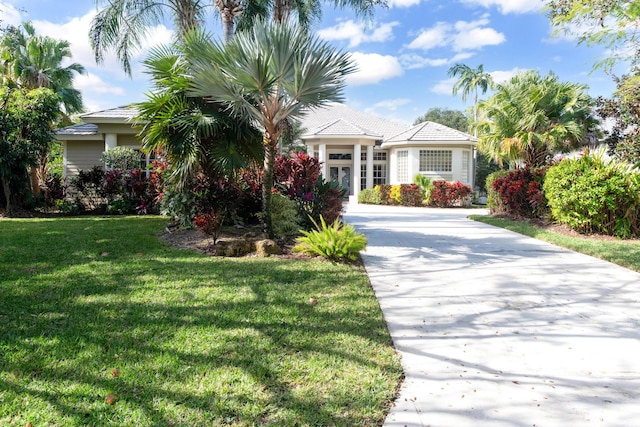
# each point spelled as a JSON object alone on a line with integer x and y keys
{"x": 7, "y": 195}
{"x": 267, "y": 183}
{"x": 35, "y": 180}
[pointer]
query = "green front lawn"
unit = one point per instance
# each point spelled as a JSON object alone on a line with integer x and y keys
{"x": 96, "y": 306}
{"x": 622, "y": 252}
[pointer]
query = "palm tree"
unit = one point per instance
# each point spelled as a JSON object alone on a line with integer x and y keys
{"x": 36, "y": 61}
{"x": 471, "y": 80}
{"x": 268, "y": 74}
{"x": 196, "y": 136}
{"x": 531, "y": 117}
{"x": 33, "y": 61}
{"x": 123, "y": 24}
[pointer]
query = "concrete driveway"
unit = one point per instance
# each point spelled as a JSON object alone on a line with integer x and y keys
{"x": 498, "y": 329}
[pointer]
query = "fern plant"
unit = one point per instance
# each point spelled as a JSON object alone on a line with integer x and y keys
{"x": 335, "y": 242}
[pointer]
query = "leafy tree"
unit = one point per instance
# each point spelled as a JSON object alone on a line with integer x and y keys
{"x": 531, "y": 117}
{"x": 469, "y": 81}
{"x": 195, "y": 135}
{"x": 623, "y": 109}
{"x": 33, "y": 61}
{"x": 455, "y": 119}
{"x": 610, "y": 23}
{"x": 268, "y": 74}
{"x": 26, "y": 119}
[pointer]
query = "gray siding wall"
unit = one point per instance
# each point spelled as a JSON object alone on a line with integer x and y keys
{"x": 82, "y": 155}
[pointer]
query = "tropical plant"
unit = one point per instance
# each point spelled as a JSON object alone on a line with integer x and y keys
{"x": 268, "y": 74}
{"x": 196, "y": 136}
{"x": 122, "y": 25}
{"x": 26, "y": 120}
{"x": 610, "y": 23}
{"x": 469, "y": 81}
{"x": 286, "y": 221}
{"x": 446, "y": 194}
{"x": 425, "y": 185}
{"x": 531, "y": 117}
{"x": 335, "y": 242}
{"x": 122, "y": 158}
{"x": 520, "y": 192}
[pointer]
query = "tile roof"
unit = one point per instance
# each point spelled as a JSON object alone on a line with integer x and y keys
{"x": 341, "y": 127}
{"x": 430, "y": 131}
{"x": 80, "y": 129}
{"x": 369, "y": 123}
{"x": 126, "y": 112}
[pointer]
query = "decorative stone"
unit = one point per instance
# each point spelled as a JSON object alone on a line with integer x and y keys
{"x": 233, "y": 248}
{"x": 267, "y": 247}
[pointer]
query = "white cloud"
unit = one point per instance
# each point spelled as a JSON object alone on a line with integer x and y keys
{"x": 403, "y": 3}
{"x": 461, "y": 36}
{"x": 444, "y": 87}
{"x": 92, "y": 84}
{"x": 500, "y": 77}
{"x": 413, "y": 61}
{"x": 509, "y": 6}
{"x": 430, "y": 38}
{"x": 389, "y": 104}
{"x": 9, "y": 15}
{"x": 76, "y": 31}
{"x": 373, "y": 68}
{"x": 357, "y": 34}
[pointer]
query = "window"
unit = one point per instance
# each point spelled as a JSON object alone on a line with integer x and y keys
{"x": 363, "y": 176}
{"x": 380, "y": 156}
{"x": 435, "y": 161}
{"x": 363, "y": 156}
{"x": 466, "y": 162}
{"x": 403, "y": 166}
{"x": 340, "y": 156}
{"x": 379, "y": 174}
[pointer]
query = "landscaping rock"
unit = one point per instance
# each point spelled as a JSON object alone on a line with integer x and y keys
{"x": 233, "y": 248}
{"x": 267, "y": 247}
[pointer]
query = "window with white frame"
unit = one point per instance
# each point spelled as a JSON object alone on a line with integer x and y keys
{"x": 380, "y": 156}
{"x": 403, "y": 166}
{"x": 435, "y": 161}
{"x": 379, "y": 174}
{"x": 466, "y": 167}
{"x": 363, "y": 176}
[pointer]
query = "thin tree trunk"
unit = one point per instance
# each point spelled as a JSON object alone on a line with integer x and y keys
{"x": 267, "y": 184}
{"x": 7, "y": 195}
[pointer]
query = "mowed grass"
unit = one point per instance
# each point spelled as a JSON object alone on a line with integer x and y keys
{"x": 625, "y": 253}
{"x": 96, "y": 306}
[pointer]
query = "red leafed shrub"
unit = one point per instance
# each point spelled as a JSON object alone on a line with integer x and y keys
{"x": 446, "y": 194}
{"x": 385, "y": 194}
{"x": 210, "y": 223}
{"x": 521, "y": 192}
{"x": 296, "y": 176}
{"x": 410, "y": 195}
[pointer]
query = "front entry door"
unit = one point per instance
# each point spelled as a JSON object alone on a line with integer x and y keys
{"x": 342, "y": 176}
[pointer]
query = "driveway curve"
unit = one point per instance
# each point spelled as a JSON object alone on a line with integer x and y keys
{"x": 498, "y": 329}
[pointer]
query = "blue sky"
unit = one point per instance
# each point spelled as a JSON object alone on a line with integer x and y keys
{"x": 403, "y": 55}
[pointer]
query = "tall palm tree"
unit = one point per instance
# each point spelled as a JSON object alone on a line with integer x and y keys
{"x": 194, "y": 135}
{"x": 531, "y": 117}
{"x": 268, "y": 74}
{"x": 35, "y": 61}
{"x": 469, "y": 81}
{"x": 123, "y": 24}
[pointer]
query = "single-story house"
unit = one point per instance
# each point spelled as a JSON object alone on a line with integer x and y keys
{"x": 358, "y": 150}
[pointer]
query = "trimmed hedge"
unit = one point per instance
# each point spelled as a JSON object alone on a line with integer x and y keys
{"x": 449, "y": 194}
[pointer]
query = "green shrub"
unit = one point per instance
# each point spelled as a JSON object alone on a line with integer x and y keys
{"x": 120, "y": 207}
{"x": 369, "y": 196}
{"x": 121, "y": 158}
{"x": 284, "y": 216}
{"x": 495, "y": 204}
{"x": 335, "y": 242}
{"x": 594, "y": 195}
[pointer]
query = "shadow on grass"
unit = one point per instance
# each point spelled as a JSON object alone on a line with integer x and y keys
{"x": 93, "y": 306}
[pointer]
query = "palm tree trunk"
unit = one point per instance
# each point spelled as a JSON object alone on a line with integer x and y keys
{"x": 267, "y": 183}
{"x": 7, "y": 195}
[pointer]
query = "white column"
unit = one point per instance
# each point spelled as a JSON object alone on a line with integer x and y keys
{"x": 369, "y": 166}
{"x": 110, "y": 141}
{"x": 357, "y": 151}
{"x": 322, "y": 157}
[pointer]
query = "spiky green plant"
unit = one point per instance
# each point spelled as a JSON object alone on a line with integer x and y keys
{"x": 336, "y": 242}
